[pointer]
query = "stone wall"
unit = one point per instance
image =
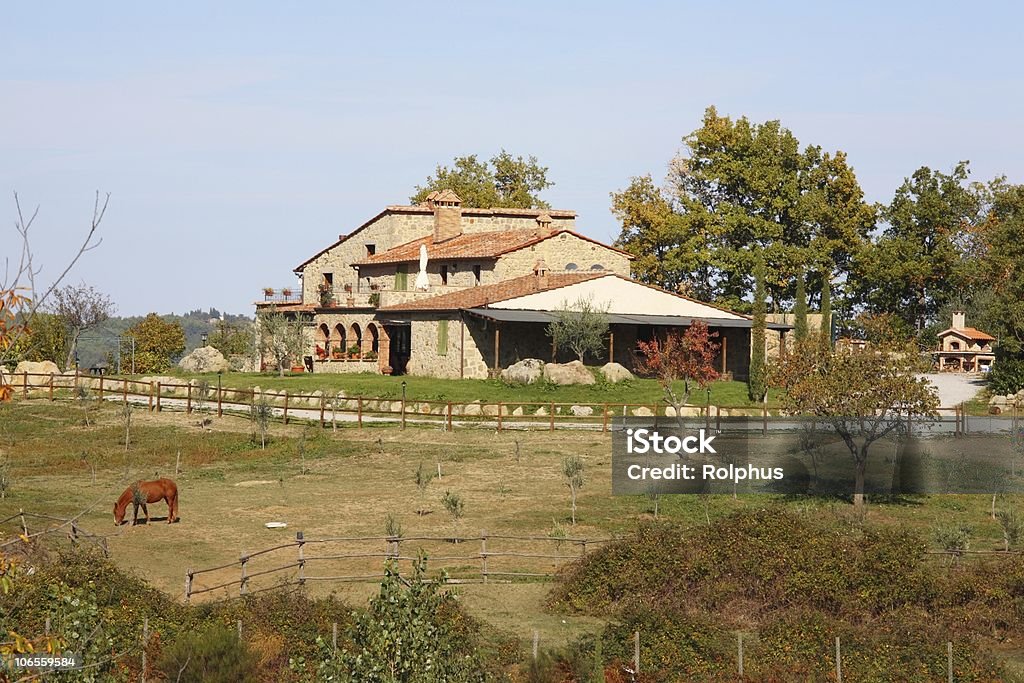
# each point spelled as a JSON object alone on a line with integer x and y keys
{"x": 559, "y": 251}
{"x": 427, "y": 358}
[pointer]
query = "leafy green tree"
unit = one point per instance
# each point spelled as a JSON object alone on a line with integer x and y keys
{"x": 572, "y": 470}
{"x": 504, "y": 181}
{"x": 1002, "y": 267}
{"x": 409, "y": 634}
{"x": 214, "y": 654}
{"x": 232, "y": 339}
{"x": 47, "y": 339}
{"x": 579, "y": 327}
{"x": 157, "y": 343}
{"x": 800, "y": 310}
{"x": 863, "y": 395}
{"x": 740, "y": 189}
{"x": 455, "y": 506}
{"x": 923, "y": 258}
{"x": 756, "y": 387}
{"x": 826, "y": 314}
{"x": 281, "y": 337}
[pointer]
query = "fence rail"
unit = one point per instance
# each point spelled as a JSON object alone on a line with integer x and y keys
{"x": 352, "y": 565}
{"x": 67, "y": 527}
{"x": 318, "y": 408}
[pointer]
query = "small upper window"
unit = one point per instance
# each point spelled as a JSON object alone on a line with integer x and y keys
{"x": 597, "y": 266}
{"x": 955, "y": 346}
{"x": 371, "y": 249}
{"x": 571, "y": 266}
{"x": 476, "y": 275}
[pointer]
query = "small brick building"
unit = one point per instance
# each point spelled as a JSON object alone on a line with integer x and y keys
{"x": 491, "y": 282}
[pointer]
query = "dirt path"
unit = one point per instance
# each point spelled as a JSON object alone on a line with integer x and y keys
{"x": 955, "y": 388}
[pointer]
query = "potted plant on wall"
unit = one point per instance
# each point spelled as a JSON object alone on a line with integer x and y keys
{"x": 338, "y": 353}
{"x": 370, "y": 355}
{"x": 323, "y": 292}
{"x": 348, "y": 288}
{"x": 268, "y": 292}
{"x": 374, "y": 299}
{"x": 353, "y": 351}
{"x": 286, "y": 293}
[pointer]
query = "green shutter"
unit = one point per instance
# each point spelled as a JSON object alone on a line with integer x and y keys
{"x": 401, "y": 278}
{"x": 442, "y": 337}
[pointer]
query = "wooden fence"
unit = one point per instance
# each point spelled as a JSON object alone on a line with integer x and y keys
{"x": 64, "y": 527}
{"x": 317, "y": 407}
{"x": 472, "y": 559}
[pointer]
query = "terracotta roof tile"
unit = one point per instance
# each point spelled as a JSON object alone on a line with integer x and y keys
{"x": 471, "y": 245}
{"x": 486, "y": 294}
{"x": 969, "y": 333}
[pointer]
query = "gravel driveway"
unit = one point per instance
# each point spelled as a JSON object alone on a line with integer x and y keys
{"x": 955, "y": 388}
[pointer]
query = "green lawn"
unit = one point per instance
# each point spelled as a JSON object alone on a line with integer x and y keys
{"x": 636, "y": 391}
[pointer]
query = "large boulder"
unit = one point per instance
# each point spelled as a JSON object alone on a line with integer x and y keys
{"x": 205, "y": 359}
{"x": 526, "y": 371}
{"x": 581, "y": 411}
{"x": 38, "y": 373}
{"x": 573, "y": 372}
{"x": 613, "y": 372}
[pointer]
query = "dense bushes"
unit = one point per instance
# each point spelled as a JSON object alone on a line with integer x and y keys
{"x": 794, "y": 583}
{"x": 213, "y": 654}
{"x": 1006, "y": 376}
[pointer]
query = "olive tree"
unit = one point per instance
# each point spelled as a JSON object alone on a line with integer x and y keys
{"x": 580, "y": 328}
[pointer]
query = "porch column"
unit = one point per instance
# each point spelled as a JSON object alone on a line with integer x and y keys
{"x": 497, "y": 347}
{"x": 725, "y": 351}
{"x": 611, "y": 346}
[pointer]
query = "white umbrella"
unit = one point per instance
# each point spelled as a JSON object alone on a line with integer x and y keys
{"x": 422, "y": 283}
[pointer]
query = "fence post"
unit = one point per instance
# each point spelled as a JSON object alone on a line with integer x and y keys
{"x": 24, "y": 383}
{"x": 718, "y": 419}
{"x": 220, "y": 399}
{"x": 536, "y": 644}
{"x": 145, "y": 641}
{"x": 764, "y": 418}
{"x": 551, "y": 419}
{"x": 949, "y": 659}
{"x": 334, "y": 637}
{"x": 323, "y": 404}
{"x": 239, "y": 629}
{"x": 839, "y": 663}
{"x": 188, "y": 584}
{"x": 499, "y": 416}
{"x": 24, "y": 526}
{"x": 286, "y": 406}
{"x": 241, "y": 584}
{"x": 158, "y": 390}
{"x": 636, "y": 652}
{"x": 51, "y": 386}
{"x": 151, "y": 396}
{"x": 740, "y": 653}
{"x": 604, "y": 417}
{"x": 300, "y": 539}
{"x": 101, "y": 387}
{"x": 124, "y": 389}
{"x": 359, "y": 409}
{"x": 449, "y": 416}
{"x": 403, "y": 408}
{"x": 188, "y": 401}
{"x": 483, "y": 553}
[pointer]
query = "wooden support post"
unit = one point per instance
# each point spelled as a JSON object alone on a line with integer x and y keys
{"x": 497, "y": 346}
{"x": 839, "y": 663}
{"x": 483, "y": 554}
{"x": 323, "y": 404}
{"x": 718, "y": 418}
{"x": 24, "y": 384}
{"x": 151, "y": 397}
{"x": 449, "y": 416}
{"x": 764, "y": 417}
{"x": 188, "y": 584}
{"x": 124, "y": 390}
{"x": 551, "y": 417}
{"x": 403, "y": 408}
{"x": 334, "y": 637}
{"x": 158, "y": 391}
{"x": 145, "y": 642}
{"x": 241, "y": 584}
{"x": 188, "y": 401}
{"x": 636, "y": 653}
{"x": 300, "y": 539}
{"x": 101, "y": 387}
{"x": 725, "y": 352}
{"x": 949, "y": 660}
{"x": 536, "y": 644}
{"x": 499, "y": 416}
{"x": 286, "y": 406}
{"x": 24, "y": 526}
{"x": 51, "y": 386}
{"x": 359, "y": 409}
{"x": 604, "y": 417}
{"x": 611, "y": 347}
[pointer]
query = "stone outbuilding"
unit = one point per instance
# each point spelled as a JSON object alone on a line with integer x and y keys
{"x": 963, "y": 348}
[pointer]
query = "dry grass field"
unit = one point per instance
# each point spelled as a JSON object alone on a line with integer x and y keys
{"x": 345, "y": 483}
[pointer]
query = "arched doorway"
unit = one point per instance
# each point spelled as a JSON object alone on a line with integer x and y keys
{"x": 374, "y": 333}
{"x": 323, "y": 342}
{"x": 355, "y": 339}
{"x": 338, "y": 345}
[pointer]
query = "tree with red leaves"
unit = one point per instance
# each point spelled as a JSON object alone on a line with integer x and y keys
{"x": 686, "y": 358}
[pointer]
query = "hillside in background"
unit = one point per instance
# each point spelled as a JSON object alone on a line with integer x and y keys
{"x": 100, "y": 344}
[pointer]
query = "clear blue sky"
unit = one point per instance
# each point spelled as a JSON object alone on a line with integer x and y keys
{"x": 238, "y": 139}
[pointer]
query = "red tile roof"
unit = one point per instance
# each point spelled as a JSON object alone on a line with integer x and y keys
{"x": 471, "y": 245}
{"x": 968, "y": 333}
{"x": 426, "y": 210}
{"x": 483, "y": 295}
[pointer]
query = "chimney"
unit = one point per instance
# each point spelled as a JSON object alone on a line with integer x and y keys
{"x": 959, "y": 320}
{"x": 447, "y": 214}
{"x": 544, "y": 224}
{"x": 541, "y": 271}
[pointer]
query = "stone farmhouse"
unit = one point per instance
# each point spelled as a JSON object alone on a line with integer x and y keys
{"x": 441, "y": 290}
{"x": 964, "y": 349}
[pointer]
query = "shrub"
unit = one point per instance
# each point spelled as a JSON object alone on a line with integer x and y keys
{"x": 1007, "y": 376}
{"x": 213, "y": 654}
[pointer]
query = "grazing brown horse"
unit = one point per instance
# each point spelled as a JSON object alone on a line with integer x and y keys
{"x": 142, "y": 492}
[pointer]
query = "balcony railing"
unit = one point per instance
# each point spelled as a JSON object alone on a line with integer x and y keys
{"x": 283, "y": 295}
